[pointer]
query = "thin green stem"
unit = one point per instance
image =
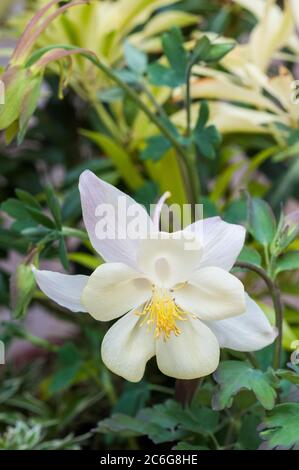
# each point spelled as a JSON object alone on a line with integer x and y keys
{"x": 160, "y": 110}
{"x": 161, "y": 389}
{"x": 75, "y": 233}
{"x": 277, "y": 304}
{"x": 252, "y": 359}
{"x": 188, "y": 102}
{"x": 33, "y": 339}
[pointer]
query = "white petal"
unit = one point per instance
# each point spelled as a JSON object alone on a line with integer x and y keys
{"x": 127, "y": 347}
{"x": 170, "y": 258}
{"x": 108, "y": 215}
{"x": 212, "y": 294}
{"x": 64, "y": 289}
{"x": 221, "y": 241}
{"x": 192, "y": 354}
{"x": 248, "y": 332}
{"x": 113, "y": 289}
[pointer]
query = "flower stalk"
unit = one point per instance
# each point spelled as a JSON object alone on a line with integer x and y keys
{"x": 277, "y": 304}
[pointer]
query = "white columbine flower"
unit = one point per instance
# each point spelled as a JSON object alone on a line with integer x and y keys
{"x": 177, "y": 304}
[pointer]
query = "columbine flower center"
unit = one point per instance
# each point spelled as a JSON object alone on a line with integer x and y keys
{"x": 161, "y": 313}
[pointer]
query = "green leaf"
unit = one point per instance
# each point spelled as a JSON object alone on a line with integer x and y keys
{"x": 127, "y": 76}
{"x": 16, "y": 209}
{"x": 250, "y": 255}
{"x": 261, "y": 221}
{"x": 132, "y": 399}
{"x": 289, "y": 375}
{"x": 40, "y": 217}
{"x": 209, "y": 207}
{"x": 248, "y": 435}
{"x": 156, "y": 147}
{"x": 173, "y": 47}
{"x": 233, "y": 376}
{"x": 63, "y": 256}
{"x": 22, "y": 288}
{"x": 54, "y": 205}
{"x": 203, "y": 116}
{"x": 288, "y": 262}
{"x": 27, "y": 198}
{"x": 165, "y": 422}
{"x": 111, "y": 94}
{"x": 123, "y": 425}
{"x": 200, "y": 51}
{"x": 207, "y": 141}
{"x": 147, "y": 194}
{"x": 282, "y": 426}
{"x": 135, "y": 59}
{"x": 69, "y": 362}
{"x": 218, "y": 51}
{"x": 159, "y": 75}
{"x": 15, "y": 81}
{"x": 236, "y": 212}
{"x": 167, "y": 174}
{"x": 186, "y": 446}
{"x": 221, "y": 20}
{"x": 29, "y": 104}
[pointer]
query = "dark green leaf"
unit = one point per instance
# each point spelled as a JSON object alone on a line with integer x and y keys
{"x": 69, "y": 362}
{"x": 236, "y": 212}
{"x": 156, "y": 147}
{"x": 63, "y": 253}
{"x": 16, "y": 209}
{"x": 289, "y": 375}
{"x": 282, "y": 426}
{"x": 261, "y": 221}
{"x": 207, "y": 141}
{"x": 27, "y": 198}
{"x": 248, "y": 436}
{"x": 233, "y": 376}
{"x": 29, "y": 104}
{"x": 287, "y": 262}
{"x": 133, "y": 398}
{"x": 218, "y": 51}
{"x": 250, "y": 255}
{"x": 159, "y": 75}
{"x": 41, "y": 218}
{"x": 54, "y": 205}
{"x": 200, "y": 51}
{"x": 203, "y": 116}
{"x": 22, "y": 288}
{"x": 173, "y": 46}
{"x": 186, "y": 446}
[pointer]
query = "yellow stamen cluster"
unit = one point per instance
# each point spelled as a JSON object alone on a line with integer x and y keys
{"x": 161, "y": 314}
